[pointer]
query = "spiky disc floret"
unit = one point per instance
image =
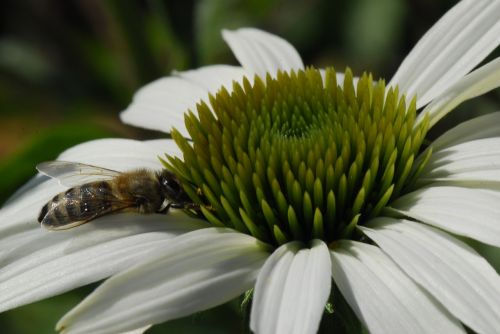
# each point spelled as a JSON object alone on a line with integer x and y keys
{"x": 298, "y": 156}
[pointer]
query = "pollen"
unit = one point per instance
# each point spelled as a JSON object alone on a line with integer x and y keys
{"x": 299, "y": 156}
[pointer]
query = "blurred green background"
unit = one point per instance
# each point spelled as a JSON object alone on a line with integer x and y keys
{"x": 67, "y": 68}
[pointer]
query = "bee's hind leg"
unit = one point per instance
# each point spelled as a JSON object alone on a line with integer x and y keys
{"x": 192, "y": 209}
{"x": 182, "y": 206}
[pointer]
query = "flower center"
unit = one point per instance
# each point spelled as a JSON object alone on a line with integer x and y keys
{"x": 299, "y": 156}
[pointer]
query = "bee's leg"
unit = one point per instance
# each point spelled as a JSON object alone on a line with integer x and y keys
{"x": 166, "y": 208}
{"x": 190, "y": 208}
{"x": 174, "y": 205}
{"x": 196, "y": 209}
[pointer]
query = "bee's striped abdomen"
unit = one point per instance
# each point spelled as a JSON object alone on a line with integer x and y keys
{"x": 54, "y": 212}
{"x": 77, "y": 205}
{"x": 44, "y": 211}
{"x": 94, "y": 197}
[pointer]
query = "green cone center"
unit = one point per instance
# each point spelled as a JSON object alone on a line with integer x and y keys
{"x": 299, "y": 156}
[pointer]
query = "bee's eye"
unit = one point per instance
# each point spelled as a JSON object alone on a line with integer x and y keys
{"x": 171, "y": 186}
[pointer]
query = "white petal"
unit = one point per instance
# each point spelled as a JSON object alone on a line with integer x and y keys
{"x": 459, "y": 41}
{"x": 213, "y": 77}
{"x": 472, "y": 161}
{"x": 194, "y": 272}
{"x": 454, "y": 273}
{"x": 42, "y": 264}
{"x": 473, "y": 213}
{"x": 25, "y": 188}
{"x": 138, "y": 330}
{"x": 260, "y": 52}
{"x": 382, "y": 296}
{"x": 476, "y": 83}
{"x": 164, "y": 146}
{"x": 485, "y": 126}
{"x": 20, "y": 214}
{"x": 117, "y": 154}
{"x": 120, "y": 154}
{"x": 459, "y": 157}
{"x": 292, "y": 289}
{"x": 161, "y": 104}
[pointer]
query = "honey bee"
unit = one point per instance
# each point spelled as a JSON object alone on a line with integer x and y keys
{"x": 143, "y": 191}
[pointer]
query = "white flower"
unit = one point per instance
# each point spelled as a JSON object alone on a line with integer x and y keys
{"x": 415, "y": 277}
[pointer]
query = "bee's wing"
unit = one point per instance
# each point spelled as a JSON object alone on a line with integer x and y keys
{"x": 69, "y": 212}
{"x": 74, "y": 173}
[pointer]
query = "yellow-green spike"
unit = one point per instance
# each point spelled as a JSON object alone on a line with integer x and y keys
{"x": 297, "y": 155}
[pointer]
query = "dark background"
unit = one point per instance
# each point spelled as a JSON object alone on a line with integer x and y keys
{"x": 67, "y": 68}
